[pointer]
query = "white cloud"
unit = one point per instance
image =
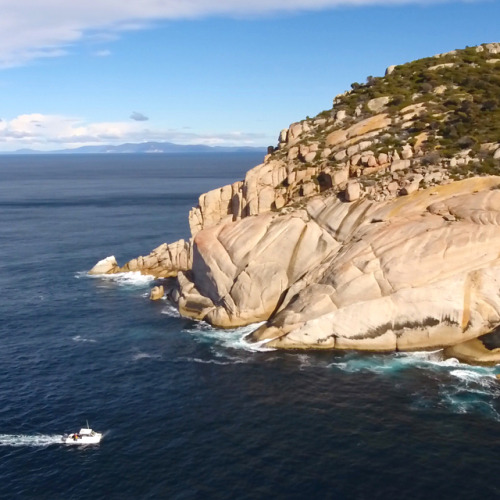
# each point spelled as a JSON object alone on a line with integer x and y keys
{"x": 51, "y": 132}
{"x": 47, "y": 28}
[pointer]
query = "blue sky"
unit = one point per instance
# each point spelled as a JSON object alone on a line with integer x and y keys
{"x": 198, "y": 72}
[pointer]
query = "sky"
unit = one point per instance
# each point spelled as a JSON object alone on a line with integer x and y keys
{"x": 214, "y": 72}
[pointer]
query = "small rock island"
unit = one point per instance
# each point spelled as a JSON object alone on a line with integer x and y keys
{"x": 373, "y": 226}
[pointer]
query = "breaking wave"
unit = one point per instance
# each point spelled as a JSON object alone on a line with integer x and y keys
{"x": 235, "y": 339}
{"x": 472, "y": 377}
{"x": 171, "y": 311}
{"x": 29, "y": 440}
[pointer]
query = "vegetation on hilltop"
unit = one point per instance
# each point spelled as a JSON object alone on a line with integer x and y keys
{"x": 460, "y": 91}
{"x": 440, "y": 115}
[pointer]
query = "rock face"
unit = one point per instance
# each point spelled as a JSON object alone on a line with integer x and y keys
{"x": 406, "y": 276}
{"x": 366, "y": 228}
{"x": 241, "y": 270}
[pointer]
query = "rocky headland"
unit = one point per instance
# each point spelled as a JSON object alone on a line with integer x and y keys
{"x": 374, "y": 225}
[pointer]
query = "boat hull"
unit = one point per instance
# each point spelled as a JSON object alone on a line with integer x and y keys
{"x": 82, "y": 439}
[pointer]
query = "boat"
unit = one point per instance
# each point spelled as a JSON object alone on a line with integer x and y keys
{"x": 85, "y": 436}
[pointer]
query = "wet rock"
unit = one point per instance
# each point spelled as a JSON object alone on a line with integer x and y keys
{"x": 157, "y": 292}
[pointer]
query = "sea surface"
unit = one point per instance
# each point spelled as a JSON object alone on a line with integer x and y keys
{"x": 189, "y": 411}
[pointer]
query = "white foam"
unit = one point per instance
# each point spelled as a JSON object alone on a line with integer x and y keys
{"x": 432, "y": 361}
{"x": 145, "y": 355}
{"x": 429, "y": 359}
{"x": 79, "y": 338}
{"x": 132, "y": 278}
{"x": 305, "y": 361}
{"x": 230, "y": 361}
{"x": 171, "y": 311}
{"x": 470, "y": 376}
{"x": 29, "y": 440}
{"x": 233, "y": 339}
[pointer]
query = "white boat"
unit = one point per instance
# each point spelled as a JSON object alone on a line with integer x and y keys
{"x": 85, "y": 436}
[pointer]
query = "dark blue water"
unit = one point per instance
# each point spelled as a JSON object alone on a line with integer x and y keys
{"x": 189, "y": 411}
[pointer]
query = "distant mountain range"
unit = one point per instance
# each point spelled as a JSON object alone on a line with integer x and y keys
{"x": 145, "y": 147}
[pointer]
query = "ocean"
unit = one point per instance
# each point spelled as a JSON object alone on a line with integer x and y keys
{"x": 189, "y": 411}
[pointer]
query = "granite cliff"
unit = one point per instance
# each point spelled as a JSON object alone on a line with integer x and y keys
{"x": 374, "y": 225}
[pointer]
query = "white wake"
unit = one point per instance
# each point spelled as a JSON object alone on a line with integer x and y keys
{"x": 29, "y": 440}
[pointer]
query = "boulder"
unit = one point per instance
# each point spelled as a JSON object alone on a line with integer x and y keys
{"x": 353, "y": 191}
{"x": 294, "y": 132}
{"x": 390, "y": 70}
{"x": 293, "y": 153}
{"x": 303, "y": 150}
{"x": 410, "y": 188}
{"x": 326, "y": 153}
{"x": 341, "y": 155}
{"x": 283, "y": 135}
{"x": 382, "y": 158}
{"x": 340, "y": 176}
{"x": 352, "y": 150}
{"x": 157, "y": 292}
{"x": 400, "y": 165}
{"x": 377, "y": 104}
{"x": 308, "y": 189}
{"x": 440, "y": 89}
{"x": 355, "y": 159}
{"x": 340, "y": 115}
{"x": 105, "y": 266}
{"x": 407, "y": 152}
{"x": 393, "y": 187}
{"x": 309, "y": 157}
